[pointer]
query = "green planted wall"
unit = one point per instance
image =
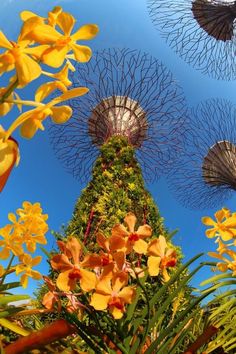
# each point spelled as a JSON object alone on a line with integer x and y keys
{"x": 116, "y": 188}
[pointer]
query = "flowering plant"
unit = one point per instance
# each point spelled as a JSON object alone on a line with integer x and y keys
{"x": 42, "y": 42}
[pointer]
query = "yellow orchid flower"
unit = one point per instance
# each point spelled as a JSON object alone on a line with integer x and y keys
{"x": 9, "y": 243}
{"x": 9, "y": 156}
{"x": 27, "y": 262}
{"x": 31, "y": 226}
{"x": 61, "y": 44}
{"x": 224, "y": 226}
{"x": 71, "y": 272}
{"x": 127, "y": 240}
{"x": 31, "y": 120}
{"x": 61, "y": 82}
{"x": 19, "y": 56}
{"x": 114, "y": 295}
{"x": 227, "y": 264}
{"x": 160, "y": 257}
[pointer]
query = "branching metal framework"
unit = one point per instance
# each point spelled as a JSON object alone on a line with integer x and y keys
{"x": 205, "y": 174}
{"x": 131, "y": 94}
{"x": 201, "y": 31}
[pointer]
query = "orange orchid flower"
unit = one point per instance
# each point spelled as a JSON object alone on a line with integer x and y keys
{"x": 71, "y": 271}
{"x": 128, "y": 240}
{"x": 160, "y": 257}
{"x": 51, "y": 298}
{"x": 113, "y": 294}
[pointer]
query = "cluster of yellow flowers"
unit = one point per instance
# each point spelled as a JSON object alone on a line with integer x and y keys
{"x": 26, "y": 228}
{"x": 46, "y": 41}
{"x": 224, "y": 229}
{"x": 110, "y": 274}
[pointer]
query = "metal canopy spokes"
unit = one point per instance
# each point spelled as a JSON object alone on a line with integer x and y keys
{"x": 118, "y": 115}
{"x": 219, "y": 165}
{"x": 202, "y": 32}
{"x": 215, "y": 17}
{"x": 204, "y": 176}
{"x": 130, "y": 94}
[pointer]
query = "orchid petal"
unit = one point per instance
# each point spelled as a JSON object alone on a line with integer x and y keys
{"x": 85, "y": 32}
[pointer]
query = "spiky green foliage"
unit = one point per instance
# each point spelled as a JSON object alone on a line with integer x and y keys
{"x": 116, "y": 188}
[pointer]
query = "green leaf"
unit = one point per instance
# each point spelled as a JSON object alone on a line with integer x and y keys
{"x": 13, "y": 327}
{"x": 9, "y": 286}
{"x": 4, "y": 300}
{"x": 10, "y": 311}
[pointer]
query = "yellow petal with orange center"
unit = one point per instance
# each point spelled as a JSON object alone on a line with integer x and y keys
{"x": 65, "y": 283}
{"x": 65, "y": 22}
{"x": 61, "y": 114}
{"x": 153, "y": 264}
{"x": 140, "y": 246}
{"x": 55, "y": 56}
{"x": 82, "y": 53}
{"x": 99, "y": 301}
{"x": 88, "y": 280}
{"x": 85, "y": 32}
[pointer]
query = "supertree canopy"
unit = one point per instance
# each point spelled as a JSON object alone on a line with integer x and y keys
{"x": 201, "y": 31}
{"x": 131, "y": 95}
{"x": 205, "y": 174}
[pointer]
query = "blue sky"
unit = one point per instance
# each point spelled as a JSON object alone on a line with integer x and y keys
{"x": 40, "y": 177}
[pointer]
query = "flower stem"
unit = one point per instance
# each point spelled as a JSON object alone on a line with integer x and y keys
{"x": 9, "y": 90}
{"x": 7, "y": 269}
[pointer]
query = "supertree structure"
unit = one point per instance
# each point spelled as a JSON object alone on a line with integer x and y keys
{"x": 205, "y": 174}
{"x": 132, "y": 95}
{"x": 201, "y": 31}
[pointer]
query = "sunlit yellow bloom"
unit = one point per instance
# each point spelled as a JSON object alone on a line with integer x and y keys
{"x": 27, "y": 262}
{"x": 61, "y": 44}
{"x": 32, "y": 120}
{"x": 72, "y": 273}
{"x": 160, "y": 257}
{"x": 9, "y": 157}
{"x": 224, "y": 226}
{"x": 61, "y": 83}
{"x": 128, "y": 240}
{"x": 30, "y": 227}
{"x": 5, "y": 107}
{"x": 227, "y": 264}
{"x": 9, "y": 244}
{"x": 19, "y": 56}
{"x": 114, "y": 295}
{"x": 52, "y": 16}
